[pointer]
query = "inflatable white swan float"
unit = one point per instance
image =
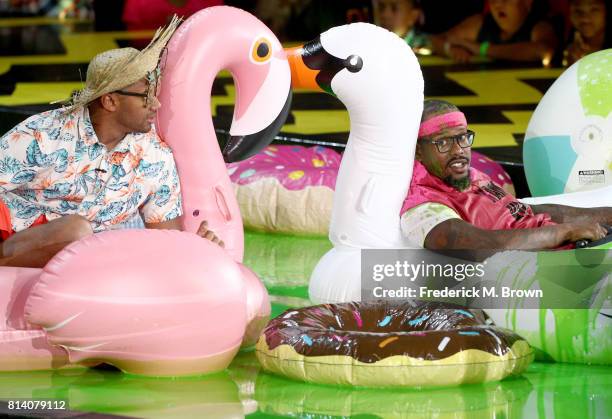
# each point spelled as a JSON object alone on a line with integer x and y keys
{"x": 378, "y": 79}
{"x": 164, "y": 302}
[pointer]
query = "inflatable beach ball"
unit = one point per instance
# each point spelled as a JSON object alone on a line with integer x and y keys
{"x": 568, "y": 143}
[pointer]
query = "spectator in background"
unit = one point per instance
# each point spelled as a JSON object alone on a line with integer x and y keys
{"x": 151, "y": 14}
{"x": 277, "y": 14}
{"x": 511, "y": 30}
{"x": 402, "y": 17}
{"x": 589, "y": 30}
{"x": 441, "y": 15}
{"x": 303, "y": 20}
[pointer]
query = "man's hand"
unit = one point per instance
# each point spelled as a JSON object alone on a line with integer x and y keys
{"x": 459, "y": 54}
{"x": 472, "y": 47}
{"x": 176, "y": 224}
{"x": 584, "y": 231}
{"x": 456, "y": 50}
{"x": 207, "y": 234}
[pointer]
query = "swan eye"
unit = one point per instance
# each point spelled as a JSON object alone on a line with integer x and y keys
{"x": 261, "y": 50}
{"x": 353, "y": 63}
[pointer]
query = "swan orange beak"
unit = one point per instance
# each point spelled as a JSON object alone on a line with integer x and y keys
{"x": 312, "y": 67}
{"x": 302, "y": 77}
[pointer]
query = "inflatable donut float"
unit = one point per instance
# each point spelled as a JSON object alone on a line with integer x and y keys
{"x": 165, "y": 303}
{"x": 289, "y": 188}
{"x": 385, "y": 343}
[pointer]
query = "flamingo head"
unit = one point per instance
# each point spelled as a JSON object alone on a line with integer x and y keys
{"x": 263, "y": 88}
{"x": 215, "y": 39}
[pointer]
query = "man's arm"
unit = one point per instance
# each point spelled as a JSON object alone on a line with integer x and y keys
{"x": 541, "y": 46}
{"x": 174, "y": 224}
{"x": 444, "y": 45}
{"x": 460, "y": 235}
{"x": 565, "y": 214}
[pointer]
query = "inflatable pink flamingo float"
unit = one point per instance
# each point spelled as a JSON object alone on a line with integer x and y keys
{"x": 164, "y": 302}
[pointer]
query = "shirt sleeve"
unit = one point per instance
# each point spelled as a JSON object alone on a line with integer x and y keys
{"x": 417, "y": 222}
{"x": 164, "y": 201}
{"x": 14, "y": 167}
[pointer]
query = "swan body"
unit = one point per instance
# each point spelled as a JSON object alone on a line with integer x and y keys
{"x": 379, "y": 80}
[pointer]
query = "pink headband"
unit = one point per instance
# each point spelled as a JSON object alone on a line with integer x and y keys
{"x": 435, "y": 124}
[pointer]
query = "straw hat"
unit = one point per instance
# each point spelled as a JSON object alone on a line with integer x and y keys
{"x": 117, "y": 68}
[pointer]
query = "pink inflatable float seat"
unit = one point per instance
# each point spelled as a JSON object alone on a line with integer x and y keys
{"x": 186, "y": 313}
{"x": 22, "y": 345}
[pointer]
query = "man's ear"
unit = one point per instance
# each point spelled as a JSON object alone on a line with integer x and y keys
{"x": 109, "y": 102}
{"x": 419, "y": 152}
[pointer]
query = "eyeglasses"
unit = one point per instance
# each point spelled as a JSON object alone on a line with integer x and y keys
{"x": 444, "y": 145}
{"x": 153, "y": 83}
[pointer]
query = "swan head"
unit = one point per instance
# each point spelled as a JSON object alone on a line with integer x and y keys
{"x": 364, "y": 65}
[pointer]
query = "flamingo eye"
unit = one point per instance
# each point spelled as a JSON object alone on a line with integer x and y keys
{"x": 261, "y": 50}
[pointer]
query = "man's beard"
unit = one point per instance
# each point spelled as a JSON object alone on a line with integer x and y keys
{"x": 459, "y": 184}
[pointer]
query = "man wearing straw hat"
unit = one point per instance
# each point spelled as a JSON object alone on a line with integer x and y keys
{"x": 95, "y": 165}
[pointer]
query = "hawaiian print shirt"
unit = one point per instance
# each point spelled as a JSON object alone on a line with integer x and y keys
{"x": 52, "y": 164}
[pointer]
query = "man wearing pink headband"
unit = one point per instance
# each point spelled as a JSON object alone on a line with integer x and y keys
{"x": 452, "y": 206}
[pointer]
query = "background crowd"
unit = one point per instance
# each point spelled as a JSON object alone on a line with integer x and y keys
{"x": 549, "y": 31}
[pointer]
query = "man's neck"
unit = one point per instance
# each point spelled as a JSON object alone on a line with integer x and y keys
{"x": 108, "y": 133}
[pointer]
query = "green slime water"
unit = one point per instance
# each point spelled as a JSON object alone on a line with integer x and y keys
{"x": 284, "y": 263}
{"x": 243, "y": 390}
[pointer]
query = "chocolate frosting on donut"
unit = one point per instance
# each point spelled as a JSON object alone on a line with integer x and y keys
{"x": 374, "y": 330}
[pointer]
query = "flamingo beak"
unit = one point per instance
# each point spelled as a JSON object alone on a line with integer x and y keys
{"x": 241, "y": 147}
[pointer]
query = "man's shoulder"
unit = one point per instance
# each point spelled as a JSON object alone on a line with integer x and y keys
{"x": 151, "y": 143}
{"x": 45, "y": 120}
{"x": 432, "y": 209}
